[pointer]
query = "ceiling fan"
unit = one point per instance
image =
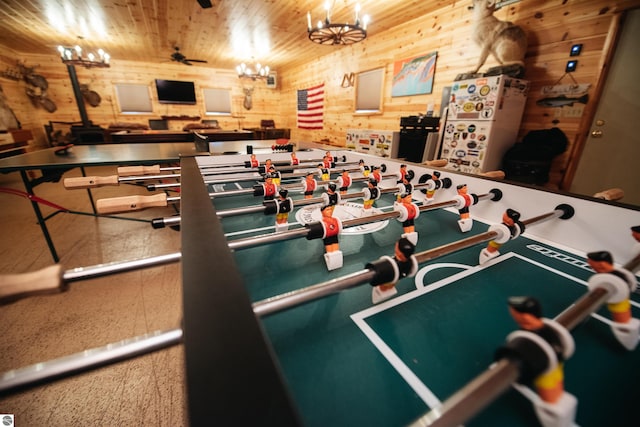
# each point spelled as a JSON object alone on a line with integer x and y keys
{"x": 179, "y": 57}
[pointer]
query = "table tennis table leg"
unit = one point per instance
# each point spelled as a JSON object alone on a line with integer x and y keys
{"x": 93, "y": 205}
{"x": 41, "y": 220}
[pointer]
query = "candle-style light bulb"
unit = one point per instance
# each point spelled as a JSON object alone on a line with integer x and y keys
{"x": 91, "y": 56}
{"x": 309, "y": 21}
{"x": 101, "y": 53}
{"x": 327, "y": 6}
{"x": 107, "y": 57}
{"x": 357, "y": 12}
{"x": 61, "y": 50}
{"x": 365, "y": 21}
{"x": 78, "y": 51}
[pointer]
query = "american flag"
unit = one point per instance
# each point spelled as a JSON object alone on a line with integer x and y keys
{"x": 311, "y": 107}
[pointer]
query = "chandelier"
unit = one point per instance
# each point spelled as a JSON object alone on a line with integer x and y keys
{"x": 252, "y": 72}
{"x": 331, "y": 33}
{"x": 74, "y": 56}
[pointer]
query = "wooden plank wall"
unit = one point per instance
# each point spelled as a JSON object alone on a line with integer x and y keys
{"x": 552, "y": 27}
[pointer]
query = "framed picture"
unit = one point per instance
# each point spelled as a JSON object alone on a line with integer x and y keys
{"x": 414, "y": 76}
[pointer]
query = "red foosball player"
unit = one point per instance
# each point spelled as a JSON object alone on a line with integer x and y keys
{"x": 253, "y": 161}
{"x": 375, "y": 173}
{"x": 401, "y": 173}
{"x": 309, "y": 185}
{"x": 464, "y": 200}
{"x": 553, "y": 345}
{"x": 269, "y": 187}
{"x": 330, "y": 197}
{"x": 329, "y": 157}
{"x": 621, "y": 283}
{"x": 405, "y": 186}
{"x": 327, "y": 162}
{"x": 294, "y": 159}
{"x": 366, "y": 170}
{"x": 284, "y": 206}
{"x": 371, "y": 194}
{"x": 510, "y": 228}
{"x": 332, "y": 227}
{"x": 405, "y": 265}
{"x": 344, "y": 182}
{"x": 323, "y": 173}
{"x": 408, "y": 211}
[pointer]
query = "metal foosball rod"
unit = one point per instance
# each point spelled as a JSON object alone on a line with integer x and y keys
{"x": 500, "y": 376}
{"x": 268, "y": 206}
{"x": 304, "y": 295}
{"x": 139, "y": 202}
{"x": 153, "y": 187}
{"x": 53, "y": 279}
{"x": 126, "y": 349}
{"x": 309, "y": 231}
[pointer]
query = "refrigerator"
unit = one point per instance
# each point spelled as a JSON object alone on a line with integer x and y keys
{"x": 482, "y": 122}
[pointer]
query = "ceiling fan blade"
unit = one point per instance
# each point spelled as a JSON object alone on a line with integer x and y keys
{"x": 196, "y": 60}
{"x": 186, "y": 62}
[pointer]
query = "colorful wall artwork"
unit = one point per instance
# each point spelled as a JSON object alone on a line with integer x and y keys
{"x": 414, "y": 76}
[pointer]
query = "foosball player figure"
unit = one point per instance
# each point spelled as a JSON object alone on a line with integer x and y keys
{"x": 510, "y": 228}
{"x": 408, "y": 211}
{"x": 376, "y": 174}
{"x": 401, "y": 173}
{"x": 405, "y": 186}
{"x": 327, "y": 162}
{"x": 275, "y": 175}
{"x": 253, "y": 161}
{"x": 329, "y": 157}
{"x": 403, "y": 264}
{"x": 328, "y": 230}
{"x": 366, "y": 170}
{"x": 330, "y": 197}
{"x": 371, "y": 194}
{"x": 294, "y": 159}
{"x": 269, "y": 187}
{"x": 621, "y": 283}
{"x": 464, "y": 200}
{"x": 541, "y": 345}
{"x": 284, "y": 205}
{"x": 309, "y": 185}
{"x": 268, "y": 164}
{"x": 432, "y": 186}
{"x": 323, "y": 173}
{"x": 344, "y": 181}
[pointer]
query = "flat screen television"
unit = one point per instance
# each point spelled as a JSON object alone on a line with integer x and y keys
{"x": 175, "y": 92}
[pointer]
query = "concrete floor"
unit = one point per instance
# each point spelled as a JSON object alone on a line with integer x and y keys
{"x": 148, "y": 390}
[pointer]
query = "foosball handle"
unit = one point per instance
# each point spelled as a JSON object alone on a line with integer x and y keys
{"x": 80, "y": 182}
{"x": 130, "y": 203}
{"x": 494, "y": 174}
{"x": 138, "y": 170}
{"x": 610, "y": 194}
{"x": 440, "y": 163}
{"x": 45, "y": 281}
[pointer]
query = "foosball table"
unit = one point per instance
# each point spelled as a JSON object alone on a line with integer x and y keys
{"x": 381, "y": 295}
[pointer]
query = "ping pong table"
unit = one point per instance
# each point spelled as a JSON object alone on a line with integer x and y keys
{"x": 53, "y": 165}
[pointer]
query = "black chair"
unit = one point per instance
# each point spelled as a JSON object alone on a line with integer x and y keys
{"x": 202, "y": 142}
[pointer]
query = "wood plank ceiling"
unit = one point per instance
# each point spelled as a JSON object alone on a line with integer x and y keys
{"x": 268, "y": 31}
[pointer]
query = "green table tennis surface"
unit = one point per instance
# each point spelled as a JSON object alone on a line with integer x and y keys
{"x": 348, "y": 362}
